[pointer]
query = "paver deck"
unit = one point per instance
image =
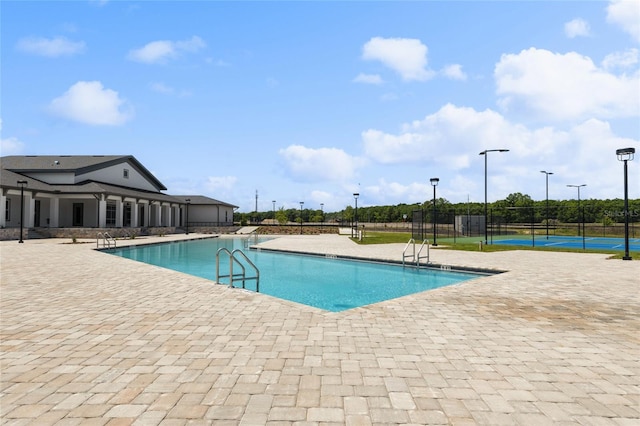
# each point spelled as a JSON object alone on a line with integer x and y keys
{"x": 89, "y": 338}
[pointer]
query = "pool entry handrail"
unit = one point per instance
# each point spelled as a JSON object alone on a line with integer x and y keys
{"x": 425, "y": 243}
{"x": 242, "y": 276}
{"x": 247, "y": 241}
{"x": 411, "y": 243}
{"x": 106, "y": 239}
{"x": 412, "y": 255}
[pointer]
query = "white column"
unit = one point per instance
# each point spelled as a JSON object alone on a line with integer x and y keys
{"x": 119, "y": 213}
{"x": 168, "y": 218}
{"x": 102, "y": 208}
{"x": 29, "y": 208}
{"x": 54, "y": 212}
{"x": 134, "y": 214}
{"x": 3, "y": 207}
{"x": 159, "y": 214}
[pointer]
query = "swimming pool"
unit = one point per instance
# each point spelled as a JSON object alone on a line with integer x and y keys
{"x": 331, "y": 284}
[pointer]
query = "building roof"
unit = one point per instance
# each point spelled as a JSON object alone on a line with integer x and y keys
{"x": 196, "y": 200}
{"x": 13, "y": 168}
{"x": 10, "y": 179}
{"x": 77, "y": 164}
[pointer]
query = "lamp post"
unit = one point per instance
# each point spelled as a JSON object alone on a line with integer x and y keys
{"x": 578, "y": 186}
{"x": 547, "y": 192}
{"x": 301, "y": 204}
{"x": 624, "y": 155}
{"x": 321, "y": 215}
{"x": 434, "y": 183}
{"x": 355, "y": 196}
{"x": 22, "y": 184}
{"x": 274, "y": 211}
{"x": 486, "y": 153}
{"x": 188, "y": 200}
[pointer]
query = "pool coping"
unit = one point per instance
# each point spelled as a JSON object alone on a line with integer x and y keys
{"x": 422, "y": 265}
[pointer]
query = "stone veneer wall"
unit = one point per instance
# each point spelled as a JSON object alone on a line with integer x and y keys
{"x": 14, "y": 233}
{"x": 7, "y": 234}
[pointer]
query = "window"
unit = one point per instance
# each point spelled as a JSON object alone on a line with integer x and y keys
{"x": 111, "y": 213}
{"x": 7, "y": 210}
{"x": 125, "y": 173}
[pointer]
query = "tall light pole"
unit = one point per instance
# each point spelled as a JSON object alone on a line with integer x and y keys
{"x": 624, "y": 155}
{"x": 434, "y": 183}
{"x": 355, "y": 196}
{"x": 301, "y": 204}
{"x": 578, "y": 186}
{"x": 321, "y": 215}
{"x": 22, "y": 184}
{"x": 274, "y": 211}
{"x": 486, "y": 153}
{"x": 547, "y": 208}
{"x": 188, "y": 201}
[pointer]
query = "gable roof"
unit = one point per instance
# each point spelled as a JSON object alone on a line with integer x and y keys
{"x": 77, "y": 164}
{"x": 202, "y": 200}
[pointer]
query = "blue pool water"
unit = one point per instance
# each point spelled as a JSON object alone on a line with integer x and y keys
{"x": 330, "y": 284}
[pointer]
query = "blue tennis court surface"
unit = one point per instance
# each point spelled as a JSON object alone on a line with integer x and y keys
{"x": 603, "y": 243}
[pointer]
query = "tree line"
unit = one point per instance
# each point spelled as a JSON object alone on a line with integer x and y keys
{"x": 515, "y": 208}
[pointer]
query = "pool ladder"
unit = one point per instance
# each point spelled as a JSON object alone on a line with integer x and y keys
{"x": 106, "y": 240}
{"x": 415, "y": 257}
{"x": 252, "y": 236}
{"x": 242, "y": 276}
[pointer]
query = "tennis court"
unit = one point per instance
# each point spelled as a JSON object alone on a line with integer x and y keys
{"x": 579, "y": 242}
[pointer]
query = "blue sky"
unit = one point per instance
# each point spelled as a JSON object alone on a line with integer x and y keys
{"x": 313, "y": 101}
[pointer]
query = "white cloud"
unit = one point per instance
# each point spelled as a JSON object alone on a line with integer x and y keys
{"x": 444, "y": 138}
{"x": 626, "y": 14}
{"x": 90, "y": 103}
{"x": 621, "y": 60}
{"x": 11, "y": 146}
{"x": 384, "y": 192}
{"x": 554, "y": 86}
{"x": 221, "y": 183}
{"x": 321, "y": 164}
{"x": 160, "y": 87}
{"x": 163, "y": 50}
{"x": 368, "y": 79}
{"x": 447, "y": 143}
{"x": 406, "y": 56}
{"x": 389, "y": 97}
{"x": 577, "y": 28}
{"x": 52, "y": 48}
{"x": 454, "y": 72}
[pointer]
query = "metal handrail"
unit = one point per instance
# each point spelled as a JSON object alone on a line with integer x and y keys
{"x": 237, "y": 277}
{"x": 411, "y": 242}
{"x": 418, "y": 257}
{"x": 247, "y": 240}
{"x": 106, "y": 240}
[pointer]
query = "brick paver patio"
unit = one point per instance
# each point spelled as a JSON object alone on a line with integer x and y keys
{"x": 89, "y": 338}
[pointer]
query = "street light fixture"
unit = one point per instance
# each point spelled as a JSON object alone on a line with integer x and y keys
{"x": 624, "y": 155}
{"x": 188, "y": 201}
{"x": 22, "y": 184}
{"x": 355, "y": 196}
{"x": 434, "y": 183}
{"x": 547, "y": 208}
{"x": 301, "y": 204}
{"x": 485, "y": 153}
{"x": 578, "y": 186}
{"x": 274, "y": 211}
{"x": 321, "y": 215}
